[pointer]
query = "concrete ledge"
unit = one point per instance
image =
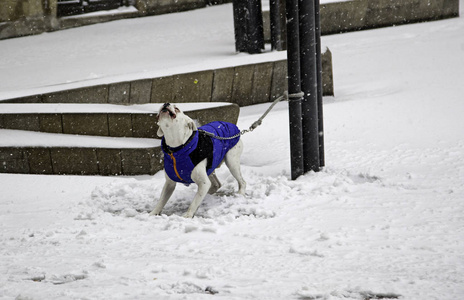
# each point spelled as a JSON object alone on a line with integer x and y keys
{"x": 243, "y": 85}
{"x": 343, "y": 16}
{"x": 13, "y": 160}
{"x": 80, "y": 161}
{"x": 367, "y": 14}
{"x": 155, "y": 7}
{"x": 141, "y": 125}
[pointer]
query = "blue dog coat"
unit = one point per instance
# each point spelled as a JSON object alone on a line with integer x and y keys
{"x": 180, "y": 161}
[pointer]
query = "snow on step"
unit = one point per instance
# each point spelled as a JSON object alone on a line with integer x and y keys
{"x": 21, "y": 138}
{"x": 42, "y": 108}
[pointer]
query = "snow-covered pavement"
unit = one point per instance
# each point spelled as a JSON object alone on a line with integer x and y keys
{"x": 385, "y": 217}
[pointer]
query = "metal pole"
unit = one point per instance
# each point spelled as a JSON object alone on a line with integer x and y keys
{"x": 309, "y": 85}
{"x": 241, "y": 37}
{"x": 277, "y": 20}
{"x": 248, "y": 26}
{"x": 294, "y": 87}
{"x": 255, "y": 27}
{"x": 320, "y": 114}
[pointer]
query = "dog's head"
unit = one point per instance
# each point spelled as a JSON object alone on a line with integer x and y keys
{"x": 168, "y": 110}
{"x": 171, "y": 118}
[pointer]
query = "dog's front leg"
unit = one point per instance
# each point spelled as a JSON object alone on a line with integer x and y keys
{"x": 166, "y": 193}
{"x": 200, "y": 177}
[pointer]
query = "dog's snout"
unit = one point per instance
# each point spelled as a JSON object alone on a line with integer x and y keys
{"x": 165, "y": 107}
{"x": 170, "y": 109}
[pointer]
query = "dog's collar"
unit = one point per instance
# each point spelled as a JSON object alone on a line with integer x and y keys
{"x": 168, "y": 149}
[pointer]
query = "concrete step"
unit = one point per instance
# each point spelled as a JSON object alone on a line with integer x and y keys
{"x": 57, "y": 154}
{"x": 105, "y": 119}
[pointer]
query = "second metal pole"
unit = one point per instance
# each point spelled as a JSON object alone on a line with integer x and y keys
{"x": 294, "y": 88}
{"x": 320, "y": 114}
{"x": 308, "y": 65}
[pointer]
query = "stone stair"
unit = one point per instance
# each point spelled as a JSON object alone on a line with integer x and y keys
{"x": 90, "y": 139}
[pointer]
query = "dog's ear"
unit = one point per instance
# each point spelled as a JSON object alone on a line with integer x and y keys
{"x": 191, "y": 124}
{"x": 160, "y": 132}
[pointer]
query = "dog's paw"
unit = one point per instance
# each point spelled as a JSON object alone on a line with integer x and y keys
{"x": 213, "y": 189}
{"x": 187, "y": 215}
{"x": 155, "y": 212}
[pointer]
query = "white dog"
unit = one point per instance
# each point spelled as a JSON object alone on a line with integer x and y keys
{"x": 191, "y": 156}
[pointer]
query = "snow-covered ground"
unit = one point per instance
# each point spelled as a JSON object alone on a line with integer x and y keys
{"x": 385, "y": 217}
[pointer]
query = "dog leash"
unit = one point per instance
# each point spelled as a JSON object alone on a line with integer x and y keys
{"x": 253, "y": 126}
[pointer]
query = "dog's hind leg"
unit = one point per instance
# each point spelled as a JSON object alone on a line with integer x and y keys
{"x": 166, "y": 193}
{"x": 200, "y": 177}
{"x": 232, "y": 160}
{"x": 215, "y": 183}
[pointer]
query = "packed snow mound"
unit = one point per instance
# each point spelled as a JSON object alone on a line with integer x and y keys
{"x": 137, "y": 198}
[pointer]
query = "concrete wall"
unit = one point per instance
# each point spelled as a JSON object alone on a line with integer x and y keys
{"x": 12, "y": 10}
{"x": 18, "y": 18}
{"x": 243, "y": 85}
